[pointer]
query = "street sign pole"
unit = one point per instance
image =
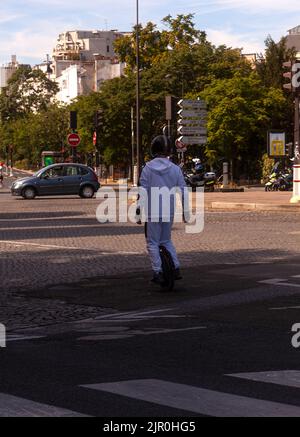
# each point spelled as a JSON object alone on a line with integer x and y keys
{"x": 296, "y": 166}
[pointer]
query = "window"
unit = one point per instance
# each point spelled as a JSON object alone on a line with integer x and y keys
{"x": 52, "y": 173}
{"x": 83, "y": 171}
{"x": 71, "y": 170}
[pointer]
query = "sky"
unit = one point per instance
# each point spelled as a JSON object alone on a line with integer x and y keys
{"x": 29, "y": 28}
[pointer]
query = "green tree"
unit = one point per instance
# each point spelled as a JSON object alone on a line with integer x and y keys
{"x": 35, "y": 132}
{"x": 270, "y": 69}
{"x": 241, "y": 110}
{"x": 27, "y": 91}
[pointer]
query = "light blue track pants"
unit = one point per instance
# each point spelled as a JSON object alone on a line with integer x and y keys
{"x": 160, "y": 234}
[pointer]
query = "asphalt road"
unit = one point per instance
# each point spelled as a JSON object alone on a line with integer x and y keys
{"x": 88, "y": 335}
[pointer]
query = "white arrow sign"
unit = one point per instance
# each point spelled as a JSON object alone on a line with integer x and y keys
{"x": 201, "y": 122}
{"x": 191, "y": 130}
{"x": 185, "y": 113}
{"x": 192, "y": 104}
{"x": 189, "y": 141}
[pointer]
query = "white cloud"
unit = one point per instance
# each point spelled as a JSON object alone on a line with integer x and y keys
{"x": 256, "y": 6}
{"x": 248, "y": 42}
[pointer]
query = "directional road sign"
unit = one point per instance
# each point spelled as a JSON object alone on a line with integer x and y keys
{"x": 192, "y": 130}
{"x": 190, "y": 141}
{"x": 192, "y": 104}
{"x": 192, "y": 113}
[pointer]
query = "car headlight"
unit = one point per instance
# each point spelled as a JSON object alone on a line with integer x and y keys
{"x": 17, "y": 185}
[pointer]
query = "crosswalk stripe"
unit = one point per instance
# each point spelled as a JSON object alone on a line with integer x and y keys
{"x": 196, "y": 399}
{"x": 288, "y": 378}
{"x": 12, "y": 406}
{"x": 23, "y": 337}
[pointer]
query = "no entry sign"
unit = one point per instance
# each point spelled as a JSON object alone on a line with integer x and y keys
{"x": 74, "y": 140}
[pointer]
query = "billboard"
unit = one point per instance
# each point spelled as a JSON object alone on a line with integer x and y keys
{"x": 276, "y": 144}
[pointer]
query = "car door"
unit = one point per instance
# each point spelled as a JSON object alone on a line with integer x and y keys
{"x": 51, "y": 181}
{"x": 72, "y": 179}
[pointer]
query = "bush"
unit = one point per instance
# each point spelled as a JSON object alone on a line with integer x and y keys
{"x": 267, "y": 166}
{"x": 23, "y": 164}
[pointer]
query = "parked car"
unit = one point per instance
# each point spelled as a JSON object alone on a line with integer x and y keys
{"x": 58, "y": 179}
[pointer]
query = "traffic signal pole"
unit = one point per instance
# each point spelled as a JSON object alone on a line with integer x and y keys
{"x": 297, "y": 120}
{"x": 296, "y": 166}
{"x": 138, "y": 108}
{"x": 293, "y": 86}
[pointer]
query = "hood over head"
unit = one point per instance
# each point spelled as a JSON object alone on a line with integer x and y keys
{"x": 159, "y": 165}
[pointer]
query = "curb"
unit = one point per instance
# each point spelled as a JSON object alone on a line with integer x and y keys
{"x": 253, "y": 207}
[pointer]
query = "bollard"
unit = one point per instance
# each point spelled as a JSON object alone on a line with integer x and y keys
{"x": 225, "y": 174}
{"x": 135, "y": 176}
{"x": 296, "y": 186}
{"x": 296, "y": 176}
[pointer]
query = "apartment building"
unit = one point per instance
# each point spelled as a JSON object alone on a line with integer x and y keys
{"x": 6, "y": 71}
{"x": 82, "y": 61}
{"x": 293, "y": 39}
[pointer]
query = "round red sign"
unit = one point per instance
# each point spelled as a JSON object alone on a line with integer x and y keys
{"x": 74, "y": 140}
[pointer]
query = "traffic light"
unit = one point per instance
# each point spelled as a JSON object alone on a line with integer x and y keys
{"x": 98, "y": 119}
{"x": 289, "y": 150}
{"x": 293, "y": 75}
{"x": 97, "y": 159}
{"x": 73, "y": 120}
{"x": 171, "y": 108}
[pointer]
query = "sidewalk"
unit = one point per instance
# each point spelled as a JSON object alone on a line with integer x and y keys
{"x": 255, "y": 200}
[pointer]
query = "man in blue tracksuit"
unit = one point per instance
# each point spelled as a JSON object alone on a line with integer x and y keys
{"x": 161, "y": 173}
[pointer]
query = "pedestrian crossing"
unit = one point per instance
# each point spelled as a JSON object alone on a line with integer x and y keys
{"x": 182, "y": 397}
{"x": 287, "y": 378}
{"x": 13, "y": 406}
{"x": 196, "y": 399}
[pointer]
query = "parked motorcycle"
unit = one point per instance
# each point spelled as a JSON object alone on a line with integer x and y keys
{"x": 280, "y": 180}
{"x": 285, "y": 181}
{"x": 272, "y": 184}
{"x": 198, "y": 178}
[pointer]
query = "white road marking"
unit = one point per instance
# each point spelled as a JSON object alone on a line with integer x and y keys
{"x": 196, "y": 399}
{"x": 279, "y": 282}
{"x": 16, "y": 337}
{"x": 49, "y": 246}
{"x": 12, "y": 406}
{"x": 284, "y": 308}
{"x": 288, "y": 378}
{"x": 134, "y": 333}
{"x": 131, "y": 314}
{"x": 54, "y": 246}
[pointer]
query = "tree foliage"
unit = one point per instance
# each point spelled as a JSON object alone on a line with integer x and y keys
{"x": 175, "y": 60}
{"x": 27, "y": 91}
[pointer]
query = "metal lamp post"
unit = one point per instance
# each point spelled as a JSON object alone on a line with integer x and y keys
{"x": 138, "y": 108}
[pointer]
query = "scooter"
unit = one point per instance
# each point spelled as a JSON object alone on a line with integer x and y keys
{"x": 198, "y": 178}
{"x": 285, "y": 181}
{"x": 272, "y": 184}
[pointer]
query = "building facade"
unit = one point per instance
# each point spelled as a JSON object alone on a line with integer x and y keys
{"x": 6, "y": 71}
{"x": 293, "y": 39}
{"x": 82, "y": 61}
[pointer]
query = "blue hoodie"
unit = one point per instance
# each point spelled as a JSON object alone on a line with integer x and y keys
{"x": 161, "y": 173}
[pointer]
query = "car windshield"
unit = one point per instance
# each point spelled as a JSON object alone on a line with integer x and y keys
{"x": 37, "y": 173}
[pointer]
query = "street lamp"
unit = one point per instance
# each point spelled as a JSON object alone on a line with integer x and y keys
{"x": 138, "y": 108}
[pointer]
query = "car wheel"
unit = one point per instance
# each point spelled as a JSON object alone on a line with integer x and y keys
{"x": 29, "y": 193}
{"x": 87, "y": 192}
